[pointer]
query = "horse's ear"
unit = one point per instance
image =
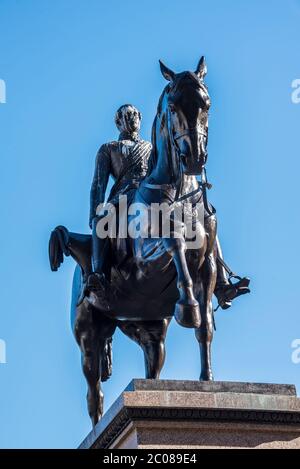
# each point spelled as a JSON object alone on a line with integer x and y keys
{"x": 201, "y": 69}
{"x": 167, "y": 73}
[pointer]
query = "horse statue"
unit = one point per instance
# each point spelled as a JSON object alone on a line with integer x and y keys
{"x": 157, "y": 278}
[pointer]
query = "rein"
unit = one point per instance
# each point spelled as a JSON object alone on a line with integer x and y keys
{"x": 203, "y": 186}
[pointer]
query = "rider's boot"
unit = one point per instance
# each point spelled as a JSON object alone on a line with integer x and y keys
{"x": 95, "y": 279}
{"x": 226, "y": 292}
{"x": 225, "y": 289}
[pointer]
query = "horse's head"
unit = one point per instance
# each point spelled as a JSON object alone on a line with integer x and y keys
{"x": 187, "y": 114}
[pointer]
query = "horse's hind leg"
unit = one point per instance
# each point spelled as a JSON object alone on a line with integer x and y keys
{"x": 91, "y": 339}
{"x": 88, "y": 341}
{"x": 150, "y": 335}
{"x": 152, "y": 341}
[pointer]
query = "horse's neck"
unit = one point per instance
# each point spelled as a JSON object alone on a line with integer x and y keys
{"x": 189, "y": 184}
{"x": 166, "y": 169}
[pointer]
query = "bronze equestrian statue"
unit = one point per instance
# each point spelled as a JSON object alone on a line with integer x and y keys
{"x": 139, "y": 283}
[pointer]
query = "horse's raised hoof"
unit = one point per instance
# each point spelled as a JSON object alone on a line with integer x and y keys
{"x": 188, "y": 315}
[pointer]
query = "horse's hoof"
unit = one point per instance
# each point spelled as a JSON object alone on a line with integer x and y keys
{"x": 207, "y": 376}
{"x": 188, "y": 315}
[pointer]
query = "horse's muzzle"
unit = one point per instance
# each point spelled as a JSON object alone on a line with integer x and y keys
{"x": 191, "y": 166}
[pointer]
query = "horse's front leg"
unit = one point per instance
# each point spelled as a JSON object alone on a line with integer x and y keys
{"x": 187, "y": 311}
{"x": 204, "y": 334}
{"x": 208, "y": 274}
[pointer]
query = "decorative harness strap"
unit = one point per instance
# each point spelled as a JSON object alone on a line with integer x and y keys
{"x": 203, "y": 186}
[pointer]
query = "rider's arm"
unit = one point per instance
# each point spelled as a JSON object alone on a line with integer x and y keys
{"x": 100, "y": 180}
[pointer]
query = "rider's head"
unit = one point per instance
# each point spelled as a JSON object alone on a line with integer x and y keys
{"x": 128, "y": 118}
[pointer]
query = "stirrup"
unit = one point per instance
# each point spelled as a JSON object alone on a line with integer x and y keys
{"x": 226, "y": 293}
{"x": 239, "y": 288}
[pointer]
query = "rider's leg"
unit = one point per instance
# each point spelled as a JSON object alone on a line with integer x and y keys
{"x": 226, "y": 291}
{"x": 222, "y": 278}
{"x": 97, "y": 248}
{"x": 95, "y": 279}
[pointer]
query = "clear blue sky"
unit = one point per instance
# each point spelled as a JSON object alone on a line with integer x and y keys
{"x": 68, "y": 65}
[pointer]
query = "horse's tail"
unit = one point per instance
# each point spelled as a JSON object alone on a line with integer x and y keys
{"x": 58, "y": 247}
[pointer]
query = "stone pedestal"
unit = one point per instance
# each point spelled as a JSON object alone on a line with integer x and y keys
{"x": 166, "y": 414}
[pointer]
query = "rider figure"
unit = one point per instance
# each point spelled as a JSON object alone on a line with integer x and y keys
{"x": 126, "y": 160}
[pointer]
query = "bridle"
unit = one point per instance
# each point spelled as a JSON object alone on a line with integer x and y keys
{"x": 189, "y": 131}
{"x": 204, "y": 184}
{"x": 175, "y": 136}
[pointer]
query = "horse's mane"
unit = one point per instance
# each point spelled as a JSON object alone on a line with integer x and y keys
{"x": 153, "y": 156}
